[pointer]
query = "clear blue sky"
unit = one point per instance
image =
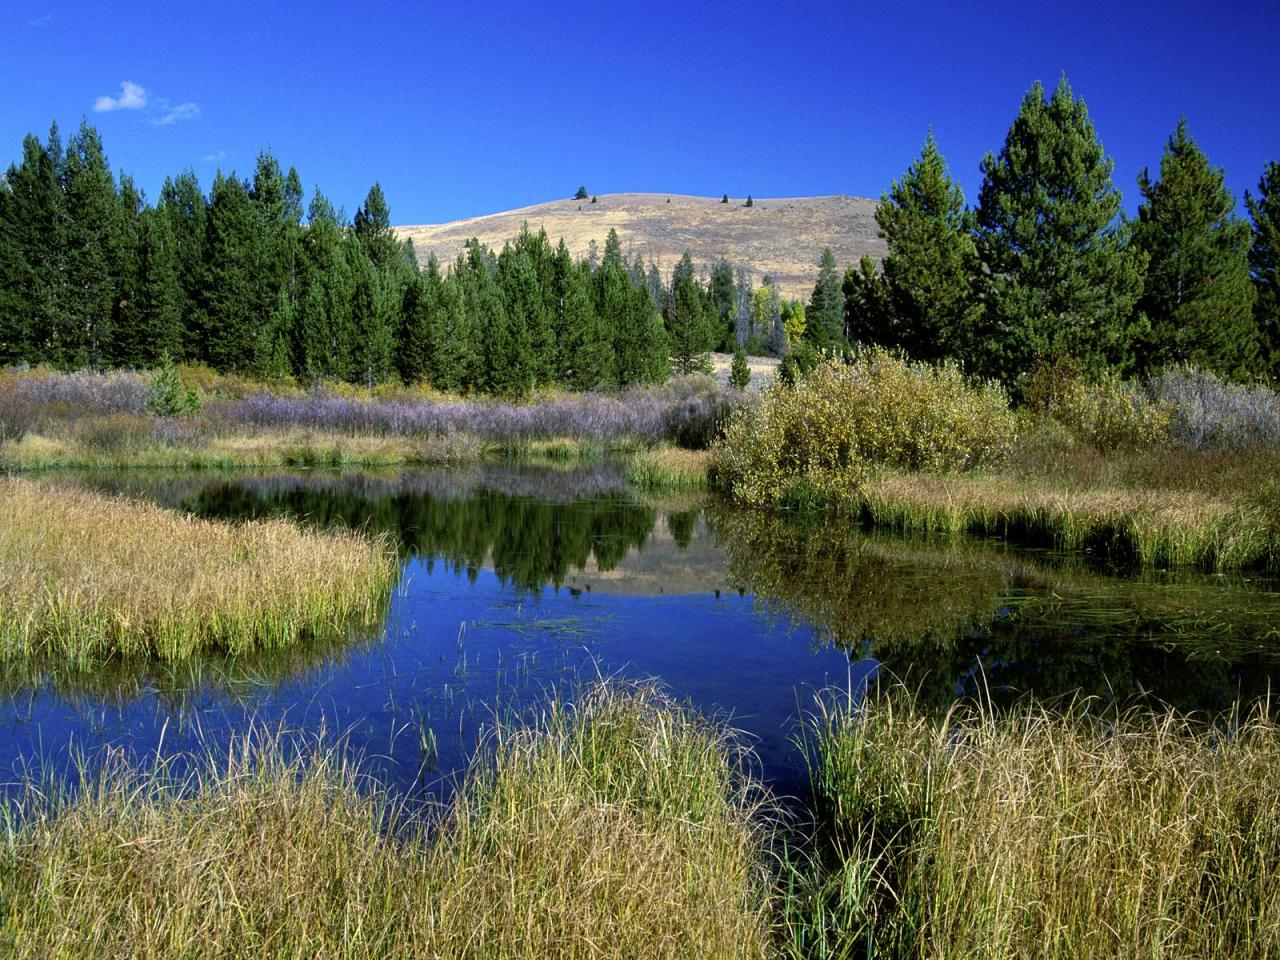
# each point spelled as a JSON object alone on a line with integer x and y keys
{"x": 462, "y": 109}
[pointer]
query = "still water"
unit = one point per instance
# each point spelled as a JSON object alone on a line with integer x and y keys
{"x": 520, "y": 583}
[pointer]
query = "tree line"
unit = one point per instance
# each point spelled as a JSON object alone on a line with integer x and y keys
{"x": 92, "y": 275}
{"x": 1047, "y": 268}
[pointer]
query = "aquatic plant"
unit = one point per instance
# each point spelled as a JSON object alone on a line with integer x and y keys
{"x": 669, "y": 468}
{"x": 88, "y": 577}
{"x": 621, "y": 827}
{"x": 1077, "y": 831}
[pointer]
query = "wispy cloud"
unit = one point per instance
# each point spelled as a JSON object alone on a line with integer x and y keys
{"x": 132, "y": 97}
{"x": 41, "y": 21}
{"x": 183, "y": 111}
{"x": 214, "y": 157}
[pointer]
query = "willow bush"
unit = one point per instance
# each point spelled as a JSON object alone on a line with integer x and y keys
{"x": 819, "y": 438}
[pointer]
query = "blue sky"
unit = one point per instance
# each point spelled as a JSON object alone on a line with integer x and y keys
{"x": 465, "y": 109}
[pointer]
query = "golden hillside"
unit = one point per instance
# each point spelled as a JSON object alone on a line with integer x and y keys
{"x": 781, "y": 237}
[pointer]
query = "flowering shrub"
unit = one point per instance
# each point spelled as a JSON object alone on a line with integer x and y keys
{"x": 119, "y": 392}
{"x": 1208, "y": 413}
{"x": 817, "y": 440}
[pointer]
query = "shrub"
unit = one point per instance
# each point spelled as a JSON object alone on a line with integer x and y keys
{"x": 818, "y": 439}
{"x": 18, "y": 414}
{"x": 1208, "y": 413}
{"x": 1111, "y": 414}
{"x": 169, "y": 396}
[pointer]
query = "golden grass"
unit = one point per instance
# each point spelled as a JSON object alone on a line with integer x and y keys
{"x": 1160, "y": 527}
{"x": 669, "y": 468}
{"x": 85, "y": 576}
{"x": 1038, "y": 833}
{"x": 263, "y": 448}
{"x": 617, "y": 829}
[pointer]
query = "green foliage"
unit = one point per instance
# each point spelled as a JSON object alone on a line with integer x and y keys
{"x": 1108, "y": 414}
{"x": 798, "y": 363}
{"x": 825, "y": 316}
{"x": 688, "y": 325}
{"x": 818, "y": 440}
{"x": 868, "y": 318}
{"x": 168, "y": 396}
{"x": 1198, "y": 298}
{"x": 740, "y": 372}
{"x": 749, "y": 202}
{"x": 581, "y": 194}
{"x": 931, "y": 270}
{"x": 1264, "y": 261}
{"x": 1063, "y": 280}
{"x": 725, "y": 198}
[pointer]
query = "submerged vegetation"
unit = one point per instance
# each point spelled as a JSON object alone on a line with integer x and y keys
{"x": 89, "y": 577}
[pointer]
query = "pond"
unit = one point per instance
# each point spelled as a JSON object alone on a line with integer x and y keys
{"x": 519, "y": 582}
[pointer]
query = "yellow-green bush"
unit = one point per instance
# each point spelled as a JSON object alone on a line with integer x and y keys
{"x": 1108, "y": 414}
{"x": 819, "y": 438}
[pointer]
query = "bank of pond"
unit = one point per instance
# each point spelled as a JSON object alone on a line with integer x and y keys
{"x": 813, "y": 739}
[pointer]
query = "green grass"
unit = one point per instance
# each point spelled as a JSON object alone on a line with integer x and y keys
{"x": 669, "y": 468}
{"x": 1076, "y": 832}
{"x": 617, "y": 828}
{"x": 88, "y": 577}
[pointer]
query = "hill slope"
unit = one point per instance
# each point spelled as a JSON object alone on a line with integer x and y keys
{"x": 782, "y": 237}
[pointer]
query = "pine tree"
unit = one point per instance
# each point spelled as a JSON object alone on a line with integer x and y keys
{"x": 868, "y": 318}
{"x": 127, "y": 344}
{"x": 31, "y": 251}
{"x": 1264, "y": 263}
{"x": 1063, "y": 281}
{"x": 740, "y": 371}
{"x": 229, "y": 292}
{"x": 183, "y": 204}
{"x": 324, "y": 331}
{"x": 586, "y": 350}
{"x": 688, "y": 329}
{"x": 83, "y": 326}
{"x": 153, "y": 329}
{"x": 825, "y": 317}
{"x": 420, "y": 332}
{"x": 1198, "y": 297}
{"x": 932, "y": 265}
{"x": 375, "y": 315}
{"x": 722, "y": 295}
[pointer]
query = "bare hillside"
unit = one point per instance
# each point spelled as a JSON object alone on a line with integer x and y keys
{"x": 781, "y": 237}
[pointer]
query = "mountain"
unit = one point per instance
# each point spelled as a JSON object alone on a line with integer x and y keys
{"x": 782, "y": 237}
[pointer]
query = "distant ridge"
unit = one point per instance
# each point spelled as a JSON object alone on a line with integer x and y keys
{"x": 779, "y": 236}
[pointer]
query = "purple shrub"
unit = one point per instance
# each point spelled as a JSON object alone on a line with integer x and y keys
{"x": 117, "y": 392}
{"x": 1211, "y": 414}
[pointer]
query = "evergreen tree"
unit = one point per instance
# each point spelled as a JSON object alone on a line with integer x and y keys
{"x": 868, "y": 320}
{"x": 90, "y": 205}
{"x": 375, "y": 315}
{"x": 1264, "y": 259}
{"x": 372, "y": 228}
{"x": 688, "y": 328}
{"x": 126, "y": 344}
{"x": 740, "y": 371}
{"x": 825, "y": 316}
{"x": 324, "y": 329}
{"x": 723, "y": 298}
{"x": 742, "y": 309}
{"x": 586, "y": 350}
{"x": 1063, "y": 281}
{"x": 766, "y": 318}
{"x": 31, "y": 251}
{"x": 183, "y": 205}
{"x": 460, "y": 357}
{"x": 932, "y": 265}
{"x": 420, "y": 332}
{"x": 1198, "y": 297}
{"x": 151, "y": 327}
{"x": 229, "y": 293}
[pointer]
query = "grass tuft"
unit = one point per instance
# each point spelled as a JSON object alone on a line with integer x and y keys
{"x": 87, "y": 577}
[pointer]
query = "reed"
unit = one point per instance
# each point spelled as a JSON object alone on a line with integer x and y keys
{"x": 1073, "y": 832}
{"x": 669, "y": 468}
{"x": 86, "y": 577}
{"x": 617, "y": 828}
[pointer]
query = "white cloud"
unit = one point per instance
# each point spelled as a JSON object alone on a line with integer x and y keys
{"x": 41, "y": 21}
{"x": 214, "y": 157}
{"x": 183, "y": 111}
{"x": 132, "y": 97}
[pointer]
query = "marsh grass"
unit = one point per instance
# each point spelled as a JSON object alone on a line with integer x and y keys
{"x": 1077, "y": 831}
{"x": 617, "y": 828}
{"x": 669, "y": 468}
{"x": 1145, "y": 526}
{"x": 87, "y": 577}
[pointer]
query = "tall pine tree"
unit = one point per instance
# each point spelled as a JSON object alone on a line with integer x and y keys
{"x": 932, "y": 264}
{"x": 1198, "y": 297}
{"x": 1064, "y": 281}
{"x": 1264, "y": 262}
{"x": 825, "y": 317}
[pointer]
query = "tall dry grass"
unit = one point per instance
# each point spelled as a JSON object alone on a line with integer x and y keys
{"x": 1077, "y": 832}
{"x": 85, "y": 576}
{"x": 618, "y": 828}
